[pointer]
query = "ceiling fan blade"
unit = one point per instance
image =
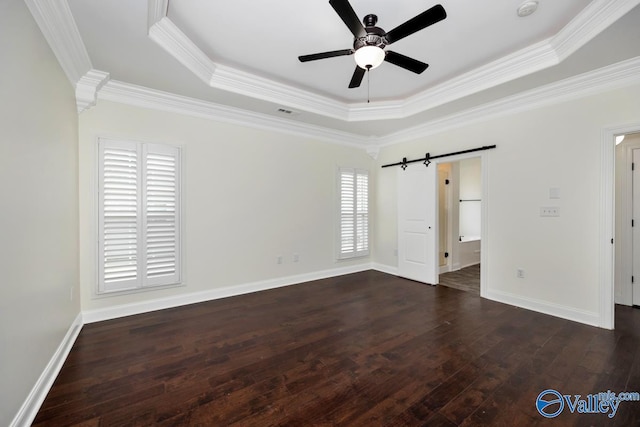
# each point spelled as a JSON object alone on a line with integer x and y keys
{"x": 348, "y": 15}
{"x": 323, "y": 55}
{"x": 358, "y": 75}
{"x": 405, "y": 62}
{"x": 417, "y": 23}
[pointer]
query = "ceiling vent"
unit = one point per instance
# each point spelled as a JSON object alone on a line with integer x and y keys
{"x": 287, "y": 112}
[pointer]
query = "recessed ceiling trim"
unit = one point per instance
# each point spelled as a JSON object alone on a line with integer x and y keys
{"x": 157, "y": 10}
{"x": 166, "y": 34}
{"x": 139, "y": 96}
{"x": 591, "y": 21}
{"x": 61, "y": 32}
{"x": 608, "y": 78}
{"x": 518, "y": 64}
{"x": 59, "y": 28}
{"x": 612, "y": 77}
{"x": 595, "y": 18}
{"x": 252, "y": 85}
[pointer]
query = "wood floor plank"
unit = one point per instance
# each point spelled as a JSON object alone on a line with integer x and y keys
{"x": 366, "y": 349}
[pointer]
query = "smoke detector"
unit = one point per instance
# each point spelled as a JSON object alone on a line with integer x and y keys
{"x": 527, "y": 8}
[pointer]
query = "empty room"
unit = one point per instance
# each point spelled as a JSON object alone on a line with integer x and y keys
{"x": 332, "y": 212}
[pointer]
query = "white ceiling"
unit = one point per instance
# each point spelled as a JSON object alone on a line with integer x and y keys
{"x": 243, "y": 54}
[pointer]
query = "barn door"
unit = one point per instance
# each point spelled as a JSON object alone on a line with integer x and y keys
{"x": 418, "y": 223}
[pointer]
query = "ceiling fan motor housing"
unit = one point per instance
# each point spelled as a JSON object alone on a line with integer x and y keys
{"x": 374, "y": 37}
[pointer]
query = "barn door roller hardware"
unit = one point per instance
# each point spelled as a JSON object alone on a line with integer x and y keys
{"x": 427, "y": 158}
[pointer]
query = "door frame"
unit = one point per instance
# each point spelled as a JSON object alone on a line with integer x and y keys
{"x": 484, "y": 211}
{"x": 607, "y": 221}
{"x": 447, "y": 267}
{"x": 623, "y": 266}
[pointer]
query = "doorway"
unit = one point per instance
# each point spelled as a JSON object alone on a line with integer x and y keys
{"x": 607, "y": 259}
{"x": 627, "y": 219}
{"x": 460, "y": 197}
{"x": 430, "y": 240}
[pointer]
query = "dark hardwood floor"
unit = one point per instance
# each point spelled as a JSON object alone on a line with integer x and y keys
{"x": 366, "y": 349}
{"x": 466, "y": 279}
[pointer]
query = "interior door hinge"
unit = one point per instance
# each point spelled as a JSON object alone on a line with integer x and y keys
{"x": 446, "y": 254}
{"x": 633, "y": 166}
{"x": 446, "y": 182}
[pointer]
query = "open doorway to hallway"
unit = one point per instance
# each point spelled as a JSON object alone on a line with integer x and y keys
{"x": 627, "y": 219}
{"x": 460, "y": 219}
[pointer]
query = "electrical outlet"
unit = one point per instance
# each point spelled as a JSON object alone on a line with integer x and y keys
{"x": 520, "y": 273}
{"x": 279, "y": 259}
{"x": 296, "y": 257}
{"x": 550, "y": 211}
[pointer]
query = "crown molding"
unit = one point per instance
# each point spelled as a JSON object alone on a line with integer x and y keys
{"x": 58, "y": 26}
{"x": 597, "y": 16}
{"x": 61, "y": 32}
{"x": 612, "y": 77}
{"x": 238, "y": 81}
{"x": 518, "y": 64}
{"x": 156, "y": 10}
{"x": 87, "y": 89}
{"x": 168, "y": 36}
{"x": 139, "y": 96}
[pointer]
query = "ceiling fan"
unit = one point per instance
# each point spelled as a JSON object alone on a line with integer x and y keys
{"x": 370, "y": 40}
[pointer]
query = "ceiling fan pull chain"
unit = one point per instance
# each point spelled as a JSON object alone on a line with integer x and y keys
{"x": 368, "y": 84}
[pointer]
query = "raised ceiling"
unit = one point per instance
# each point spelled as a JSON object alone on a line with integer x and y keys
{"x": 242, "y": 55}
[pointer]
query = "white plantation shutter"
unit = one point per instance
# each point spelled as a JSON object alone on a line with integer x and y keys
{"x": 362, "y": 213}
{"x": 119, "y": 216}
{"x": 161, "y": 220}
{"x": 139, "y": 215}
{"x": 354, "y": 212}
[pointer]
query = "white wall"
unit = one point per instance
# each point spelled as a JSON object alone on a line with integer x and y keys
{"x": 554, "y": 146}
{"x": 249, "y": 196}
{"x": 39, "y": 215}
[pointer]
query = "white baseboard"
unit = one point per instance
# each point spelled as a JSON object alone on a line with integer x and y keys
{"x": 32, "y": 403}
{"x": 98, "y": 315}
{"x": 445, "y": 269}
{"x": 557, "y": 310}
{"x": 469, "y": 264}
{"x": 383, "y": 268}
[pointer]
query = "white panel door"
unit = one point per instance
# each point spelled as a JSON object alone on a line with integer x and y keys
{"x": 418, "y": 224}
{"x": 636, "y": 228}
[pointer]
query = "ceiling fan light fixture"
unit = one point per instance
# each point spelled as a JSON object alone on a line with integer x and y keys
{"x": 369, "y": 57}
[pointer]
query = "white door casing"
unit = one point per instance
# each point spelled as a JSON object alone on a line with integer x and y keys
{"x": 635, "y": 230}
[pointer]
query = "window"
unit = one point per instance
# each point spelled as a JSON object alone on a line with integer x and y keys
{"x": 354, "y": 213}
{"x": 139, "y": 215}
